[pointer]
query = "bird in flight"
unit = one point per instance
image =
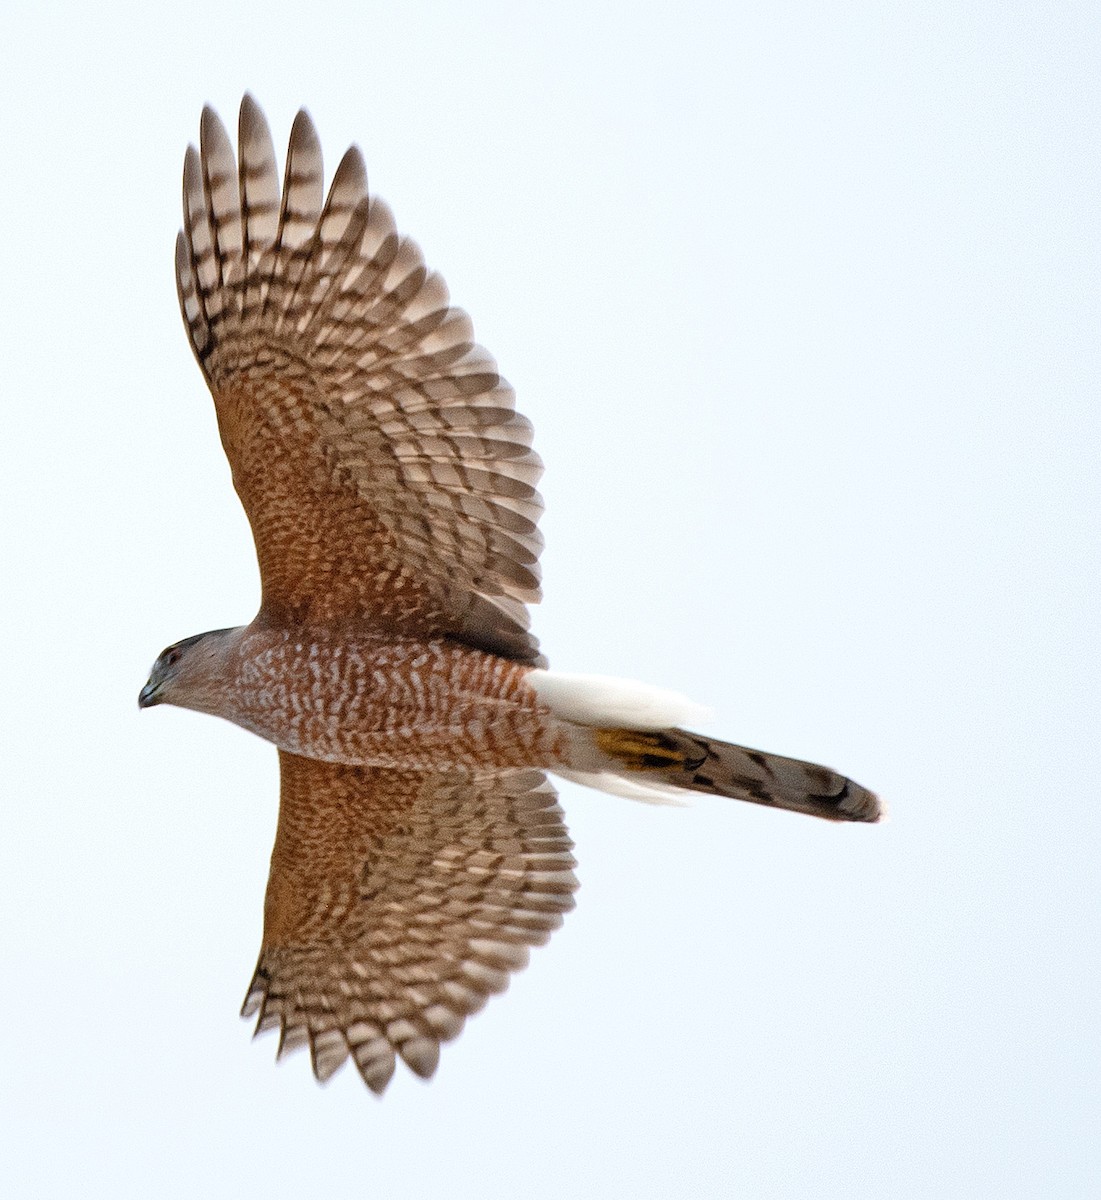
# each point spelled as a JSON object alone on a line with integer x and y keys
{"x": 391, "y": 489}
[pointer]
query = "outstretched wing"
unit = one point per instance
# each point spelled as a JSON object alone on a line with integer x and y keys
{"x": 399, "y": 901}
{"x": 384, "y": 470}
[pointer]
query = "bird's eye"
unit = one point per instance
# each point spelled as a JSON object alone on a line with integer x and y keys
{"x": 171, "y": 657}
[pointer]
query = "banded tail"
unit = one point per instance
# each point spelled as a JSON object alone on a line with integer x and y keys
{"x": 625, "y": 738}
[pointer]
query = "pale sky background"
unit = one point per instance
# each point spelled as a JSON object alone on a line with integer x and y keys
{"x": 803, "y": 301}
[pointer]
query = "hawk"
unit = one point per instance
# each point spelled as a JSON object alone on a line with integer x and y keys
{"x": 391, "y": 489}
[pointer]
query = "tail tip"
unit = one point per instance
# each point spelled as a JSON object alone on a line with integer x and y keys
{"x": 856, "y": 803}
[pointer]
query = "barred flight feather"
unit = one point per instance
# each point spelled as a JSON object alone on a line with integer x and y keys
{"x": 313, "y": 319}
{"x": 450, "y": 880}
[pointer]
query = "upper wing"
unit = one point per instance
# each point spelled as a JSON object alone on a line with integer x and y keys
{"x": 397, "y": 902}
{"x": 384, "y": 470}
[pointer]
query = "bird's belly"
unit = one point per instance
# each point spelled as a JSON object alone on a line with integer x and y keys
{"x": 474, "y": 744}
{"x": 405, "y": 706}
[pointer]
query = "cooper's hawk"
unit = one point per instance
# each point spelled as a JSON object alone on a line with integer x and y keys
{"x": 390, "y": 485}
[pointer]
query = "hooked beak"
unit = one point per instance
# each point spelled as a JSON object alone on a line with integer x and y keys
{"x": 147, "y": 697}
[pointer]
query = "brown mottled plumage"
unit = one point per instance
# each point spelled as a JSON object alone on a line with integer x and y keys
{"x": 390, "y": 486}
{"x": 431, "y": 888}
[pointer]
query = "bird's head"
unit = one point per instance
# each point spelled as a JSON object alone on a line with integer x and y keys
{"x": 188, "y": 672}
